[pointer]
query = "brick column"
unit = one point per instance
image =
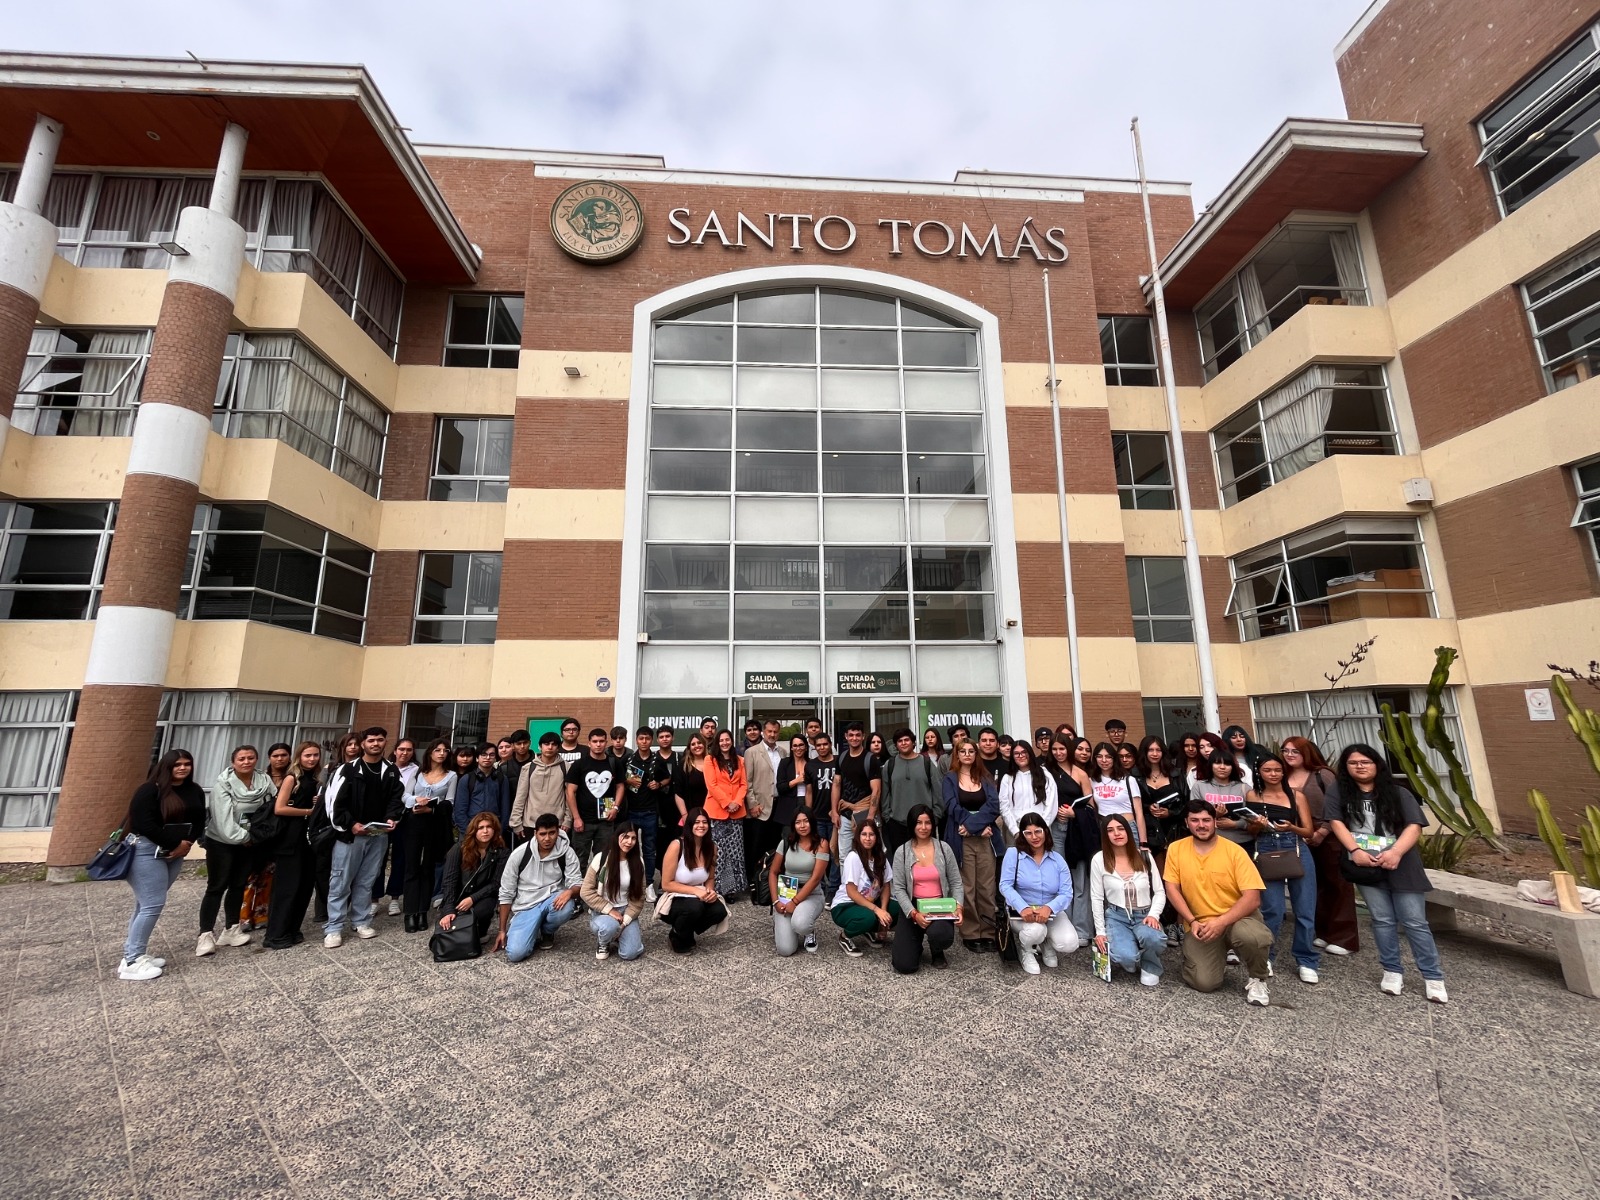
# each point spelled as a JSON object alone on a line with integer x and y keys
{"x": 27, "y": 244}
{"x": 133, "y": 634}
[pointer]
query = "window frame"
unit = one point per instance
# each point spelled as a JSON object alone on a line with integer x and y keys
{"x": 1136, "y": 562}
{"x": 50, "y": 788}
{"x": 1130, "y": 493}
{"x": 1586, "y": 258}
{"x": 464, "y": 619}
{"x": 99, "y": 421}
{"x": 455, "y": 727}
{"x": 9, "y": 535}
{"x": 1588, "y": 497}
{"x": 1115, "y": 366}
{"x": 478, "y": 480}
{"x": 490, "y": 349}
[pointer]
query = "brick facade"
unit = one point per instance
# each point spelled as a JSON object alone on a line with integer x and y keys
{"x": 17, "y": 313}
{"x": 103, "y": 769}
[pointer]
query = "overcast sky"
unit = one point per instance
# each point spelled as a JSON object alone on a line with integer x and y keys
{"x": 906, "y": 89}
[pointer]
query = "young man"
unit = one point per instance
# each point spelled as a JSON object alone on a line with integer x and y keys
{"x": 908, "y": 780}
{"x": 482, "y": 789}
{"x": 511, "y": 768}
{"x": 1116, "y": 732}
{"x": 752, "y": 735}
{"x": 538, "y": 890}
{"x": 821, "y": 770}
{"x": 367, "y": 799}
{"x": 542, "y": 788}
{"x": 813, "y": 732}
{"x": 989, "y": 753}
{"x": 591, "y": 782}
{"x": 641, "y": 800}
{"x": 620, "y": 749}
{"x": 708, "y": 733}
{"x": 857, "y": 784}
{"x": 761, "y": 778}
{"x": 1217, "y": 892}
{"x": 663, "y": 778}
{"x": 1041, "y": 743}
{"x": 570, "y": 751}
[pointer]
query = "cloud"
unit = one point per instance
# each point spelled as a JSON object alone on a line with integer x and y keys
{"x": 862, "y": 87}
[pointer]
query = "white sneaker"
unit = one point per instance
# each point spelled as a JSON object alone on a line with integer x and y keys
{"x": 602, "y": 953}
{"x": 810, "y": 944}
{"x": 1309, "y": 975}
{"x": 1233, "y": 959}
{"x": 234, "y": 935}
{"x": 1391, "y": 983}
{"x": 1436, "y": 992}
{"x": 206, "y": 945}
{"x": 333, "y": 941}
{"x": 1047, "y": 952}
{"x": 1319, "y": 943}
{"x": 152, "y": 960}
{"x": 139, "y": 968}
{"x": 1149, "y": 979}
{"x": 366, "y": 931}
{"x": 1028, "y": 959}
{"x": 1336, "y": 951}
{"x": 394, "y": 906}
{"x": 650, "y": 893}
{"x": 1255, "y": 992}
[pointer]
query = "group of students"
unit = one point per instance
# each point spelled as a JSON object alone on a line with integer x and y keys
{"x": 1036, "y": 848}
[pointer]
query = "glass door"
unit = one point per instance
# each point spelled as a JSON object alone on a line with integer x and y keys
{"x": 890, "y": 713}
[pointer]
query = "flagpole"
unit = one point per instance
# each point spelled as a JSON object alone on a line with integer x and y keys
{"x": 1180, "y": 465}
{"x": 1061, "y": 508}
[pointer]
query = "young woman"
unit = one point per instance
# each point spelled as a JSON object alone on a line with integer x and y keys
{"x": 613, "y": 889}
{"x": 294, "y": 866}
{"x": 925, "y": 868}
{"x": 472, "y": 871}
{"x": 165, "y": 818}
{"x": 877, "y": 747}
{"x": 1378, "y": 821}
{"x": 430, "y": 793}
{"x": 1115, "y": 791}
{"x": 1028, "y": 789}
{"x": 464, "y": 760}
{"x": 1337, "y": 932}
{"x": 793, "y": 793}
{"x": 1165, "y": 795}
{"x": 1129, "y": 758}
{"x": 405, "y": 761}
{"x": 1285, "y": 824}
{"x": 932, "y": 744}
{"x": 725, "y": 794}
{"x": 972, "y": 829}
{"x": 691, "y": 784}
{"x": 1083, "y": 757}
{"x": 322, "y": 853}
{"x": 795, "y": 878}
{"x": 862, "y": 908}
{"x": 1072, "y": 784}
{"x": 1208, "y": 744}
{"x": 691, "y": 905}
{"x": 1007, "y": 742}
{"x": 1228, "y": 796}
{"x": 1037, "y": 887}
{"x": 280, "y": 757}
{"x": 239, "y": 791}
{"x": 1128, "y": 898}
{"x": 1245, "y": 752}
{"x": 256, "y": 907}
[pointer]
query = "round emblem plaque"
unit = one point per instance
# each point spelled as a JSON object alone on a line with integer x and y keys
{"x": 596, "y": 221}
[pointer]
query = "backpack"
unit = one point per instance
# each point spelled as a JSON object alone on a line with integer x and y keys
{"x": 265, "y": 825}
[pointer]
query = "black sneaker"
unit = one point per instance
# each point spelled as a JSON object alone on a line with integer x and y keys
{"x": 852, "y": 946}
{"x": 973, "y": 944}
{"x": 939, "y": 960}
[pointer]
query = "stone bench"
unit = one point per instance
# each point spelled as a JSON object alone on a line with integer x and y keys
{"x": 1576, "y": 935}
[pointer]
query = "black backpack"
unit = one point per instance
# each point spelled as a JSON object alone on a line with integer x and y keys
{"x": 265, "y": 825}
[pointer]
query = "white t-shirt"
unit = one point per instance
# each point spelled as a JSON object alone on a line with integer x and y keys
{"x": 854, "y": 872}
{"x": 624, "y": 877}
{"x": 1112, "y": 796}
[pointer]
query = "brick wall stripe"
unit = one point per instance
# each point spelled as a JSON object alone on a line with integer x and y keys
{"x": 18, "y": 311}
{"x": 97, "y": 784}
{"x": 168, "y": 440}
{"x": 152, "y": 539}
{"x": 131, "y": 646}
{"x": 186, "y": 355}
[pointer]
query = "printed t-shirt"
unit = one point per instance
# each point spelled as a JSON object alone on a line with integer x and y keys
{"x": 595, "y": 779}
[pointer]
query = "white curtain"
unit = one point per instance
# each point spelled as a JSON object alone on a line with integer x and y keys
{"x": 380, "y": 299}
{"x": 1294, "y": 418}
{"x": 311, "y": 401}
{"x": 35, "y": 379}
{"x": 361, "y": 431}
{"x": 1350, "y": 715}
{"x": 336, "y": 245}
{"x": 32, "y": 748}
{"x": 64, "y": 202}
{"x": 1347, "y": 263}
{"x": 111, "y": 377}
{"x": 209, "y": 725}
{"x": 1256, "y": 324}
{"x": 288, "y": 233}
{"x": 133, "y": 213}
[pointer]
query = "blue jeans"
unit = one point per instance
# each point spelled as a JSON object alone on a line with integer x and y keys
{"x": 150, "y": 878}
{"x": 1132, "y": 943}
{"x": 1302, "y": 893}
{"x": 542, "y": 920}
{"x": 607, "y": 929}
{"x": 356, "y": 864}
{"x": 645, "y": 823}
{"x": 830, "y": 877}
{"x": 1393, "y": 912}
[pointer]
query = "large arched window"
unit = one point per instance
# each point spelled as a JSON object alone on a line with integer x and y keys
{"x": 817, "y": 502}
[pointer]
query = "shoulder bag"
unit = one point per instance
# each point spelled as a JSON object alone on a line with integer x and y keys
{"x": 1361, "y": 876}
{"x": 1279, "y": 866}
{"x": 458, "y": 943}
{"x": 112, "y": 860}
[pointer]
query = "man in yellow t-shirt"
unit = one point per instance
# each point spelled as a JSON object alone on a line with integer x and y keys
{"x": 1216, "y": 889}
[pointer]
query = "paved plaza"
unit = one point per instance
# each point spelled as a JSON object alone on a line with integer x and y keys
{"x": 369, "y": 1071}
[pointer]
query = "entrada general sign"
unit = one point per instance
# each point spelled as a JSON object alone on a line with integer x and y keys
{"x": 596, "y": 221}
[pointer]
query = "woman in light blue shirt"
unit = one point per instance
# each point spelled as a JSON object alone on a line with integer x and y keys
{"x": 1037, "y": 885}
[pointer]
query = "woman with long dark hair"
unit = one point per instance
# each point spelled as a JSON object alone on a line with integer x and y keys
{"x": 862, "y": 908}
{"x": 933, "y": 746}
{"x": 691, "y": 904}
{"x": 1115, "y": 790}
{"x": 925, "y": 873}
{"x": 792, "y": 785}
{"x": 726, "y": 788}
{"x": 1337, "y": 931}
{"x": 472, "y": 871}
{"x": 973, "y": 829}
{"x": 430, "y": 791}
{"x": 1028, "y": 789}
{"x": 1191, "y": 766}
{"x": 1377, "y": 822}
{"x": 795, "y": 878}
{"x": 1037, "y": 887}
{"x": 1245, "y": 752}
{"x": 256, "y": 907}
{"x": 613, "y": 889}
{"x": 235, "y": 797}
{"x": 1162, "y": 793}
{"x": 1128, "y": 899}
{"x": 294, "y": 866}
{"x": 1286, "y": 824}
{"x": 165, "y": 818}
{"x": 1228, "y": 797}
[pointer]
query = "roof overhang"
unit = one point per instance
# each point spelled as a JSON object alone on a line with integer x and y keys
{"x": 156, "y": 114}
{"x": 1324, "y": 166}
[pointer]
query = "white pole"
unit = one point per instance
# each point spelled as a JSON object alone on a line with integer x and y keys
{"x": 1061, "y": 507}
{"x": 33, "y": 180}
{"x": 230, "y": 165}
{"x": 1180, "y": 466}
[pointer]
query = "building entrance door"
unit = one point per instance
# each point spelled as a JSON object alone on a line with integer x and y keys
{"x": 791, "y": 713}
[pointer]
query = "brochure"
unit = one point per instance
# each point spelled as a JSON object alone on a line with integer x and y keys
{"x": 788, "y": 887}
{"x": 1101, "y": 962}
{"x": 608, "y": 807}
{"x": 1372, "y": 843}
{"x": 942, "y": 908}
{"x": 373, "y": 828}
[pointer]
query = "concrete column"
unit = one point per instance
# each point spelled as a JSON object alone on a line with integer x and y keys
{"x": 27, "y": 244}
{"x": 133, "y": 634}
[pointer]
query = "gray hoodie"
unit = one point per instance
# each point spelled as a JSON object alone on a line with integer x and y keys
{"x": 231, "y": 804}
{"x": 530, "y": 877}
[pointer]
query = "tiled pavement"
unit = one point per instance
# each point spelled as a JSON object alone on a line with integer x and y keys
{"x": 369, "y": 1071}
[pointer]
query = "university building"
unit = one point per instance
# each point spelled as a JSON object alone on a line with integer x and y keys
{"x": 308, "y": 426}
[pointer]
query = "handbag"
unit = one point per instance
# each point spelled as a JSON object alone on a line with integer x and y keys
{"x": 761, "y": 893}
{"x": 458, "y": 943}
{"x": 1279, "y": 866}
{"x": 1361, "y": 876}
{"x": 112, "y": 860}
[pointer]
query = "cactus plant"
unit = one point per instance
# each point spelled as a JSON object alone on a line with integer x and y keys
{"x": 1457, "y": 809}
{"x": 1555, "y": 841}
{"x": 1585, "y": 724}
{"x": 1589, "y": 838}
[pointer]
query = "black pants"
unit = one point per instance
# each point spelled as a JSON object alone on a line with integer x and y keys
{"x": 293, "y": 878}
{"x": 395, "y": 864}
{"x": 421, "y": 851}
{"x": 690, "y": 917}
{"x": 906, "y": 953}
{"x": 227, "y": 871}
{"x": 322, "y": 865}
{"x": 895, "y": 835}
{"x": 760, "y": 837}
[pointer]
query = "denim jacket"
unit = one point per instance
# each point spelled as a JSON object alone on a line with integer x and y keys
{"x": 958, "y": 819}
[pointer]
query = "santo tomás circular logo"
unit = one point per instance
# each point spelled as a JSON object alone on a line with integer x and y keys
{"x": 596, "y": 221}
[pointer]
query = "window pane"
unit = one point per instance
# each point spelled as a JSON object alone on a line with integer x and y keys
{"x": 867, "y": 347}
{"x": 687, "y": 519}
{"x": 50, "y": 559}
{"x": 690, "y": 430}
{"x": 865, "y": 568}
{"x": 861, "y": 473}
{"x": 777, "y": 431}
{"x": 345, "y": 590}
{"x": 863, "y": 520}
{"x": 686, "y": 618}
{"x": 443, "y": 587}
{"x": 913, "y": 316}
{"x": 860, "y": 389}
{"x": 955, "y": 617}
{"x": 876, "y": 618}
{"x": 951, "y": 569}
{"x": 458, "y": 447}
{"x": 852, "y": 432}
{"x": 775, "y": 618}
{"x": 777, "y": 345}
{"x": 1168, "y": 591}
{"x": 688, "y": 471}
{"x": 956, "y": 349}
{"x": 958, "y": 669}
{"x": 45, "y": 605}
{"x": 958, "y": 474}
{"x": 943, "y": 391}
{"x": 775, "y": 519}
{"x": 709, "y": 386}
{"x": 775, "y": 569}
{"x": 686, "y": 568}
{"x": 345, "y": 629}
{"x": 711, "y": 310}
{"x": 853, "y": 308}
{"x": 469, "y": 320}
{"x": 694, "y": 343}
{"x": 507, "y": 328}
{"x": 777, "y": 472}
{"x": 947, "y": 434}
{"x": 682, "y": 670}
{"x": 777, "y": 387}
{"x": 949, "y": 521}
{"x": 798, "y": 307}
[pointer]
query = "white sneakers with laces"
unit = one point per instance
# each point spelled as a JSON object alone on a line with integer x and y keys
{"x": 1309, "y": 975}
{"x": 366, "y": 931}
{"x": 150, "y": 958}
{"x": 139, "y": 968}
{"x": 1392, "y": 983}
{"x": 234, "y": 935}
{"x": 1255, "y": 992}
{"x": 1047, "y": 953}
{"x": 394, "y": 906}
{"x": 333, "y": 941}
{"x": 1435, "y": 991}
{"x": 1149, "y": 980}
{"x": 206, "y": 945}
{"x": 1028, "y": 959}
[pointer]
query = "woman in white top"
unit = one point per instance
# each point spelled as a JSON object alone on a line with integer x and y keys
{"x": 1115, "y": 792}
{"x": 429, "y": 789}
{"x": 1029, "y": 788}
{"x": 691, "y": 905}
{"x": 1127, "y": 895}
{"x": 861, "y": 907}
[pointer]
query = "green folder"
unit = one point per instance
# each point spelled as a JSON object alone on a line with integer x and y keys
{"x": 937, "y": 906}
